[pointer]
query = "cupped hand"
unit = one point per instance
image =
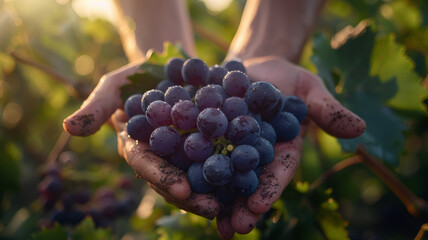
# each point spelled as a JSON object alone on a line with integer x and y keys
{"x": 105, "y": 104}
{"x": 323, "y": 110}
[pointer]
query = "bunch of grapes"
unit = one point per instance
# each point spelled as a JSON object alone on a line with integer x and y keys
{"x": 214, "y": 124}
{"x": 68, "y": 203}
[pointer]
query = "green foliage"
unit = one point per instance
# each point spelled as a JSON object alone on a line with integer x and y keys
{"x": 365, "y": 94}
{"x": 86, "y": 230}
{"x": 55, "y": 233}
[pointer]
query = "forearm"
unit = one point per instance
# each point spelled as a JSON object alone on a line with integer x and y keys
{"x": 275, "y": 27}
{"x": 153, "y": 23}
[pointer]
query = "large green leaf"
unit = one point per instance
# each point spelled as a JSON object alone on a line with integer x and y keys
{"x": 86, "y": 230}
{"x": 55, "y": 233}
{"x": 362, "y": 93}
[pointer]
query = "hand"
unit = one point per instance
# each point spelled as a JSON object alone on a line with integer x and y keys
{"x": 323, "y": 110}
{"x": 105, "y": 104}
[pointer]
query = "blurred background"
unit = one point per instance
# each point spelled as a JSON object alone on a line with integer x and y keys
{"x": 53, "y": 52}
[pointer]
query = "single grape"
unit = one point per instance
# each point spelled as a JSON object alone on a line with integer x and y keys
{"x": 51, "y": 187}
{"x": 139, "y": 128}
{"x": 133, "y": 105}
{"x": 266, "y": 115}
{"x": 296, "y": 106}
{"x": 243, "y": 130}
{"x": 261, "y": 97}
{"x": 149, "y": 97}
{"x": 159, "y": 114}
{"x": 173, "y": 69}
{"x": 208, "y": 97}
{"x": 286, "y": 126}
{"x": 212, "y": 122}
{"x": 184, "y": 115}
{"x": 245, "y": 158}
{"x": 197, "y": 147}
{"x": 268, "y": 132}
{"x": 265, "y": 149}
{"x": 197, "y": 180}
{"x": 218, "y": 170}
{"x": 191, "y": 90}
{"x": 244, "y": 183}
{"x": 235, "y": 65}
{"x": 234, "y": 107}
{"x": 175, "y": 93}
{"x": 108, "y": 209}
{"x": 164, "y": 141}
{"x": 164, "y": 85}
{"x": 195, "y": 72}
{"x": 179, "y": 158}
{"x": 235, "y": 84}
{"x": 216, "y": 74}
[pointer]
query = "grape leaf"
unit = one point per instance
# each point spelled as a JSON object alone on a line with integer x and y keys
{"x": 86, "y": 230}
{"x": 389, "y": 60}
{"x": 55, "y": 233}
{"x": 362, "y": 93}
{"x": 330, "y": 221}
{"x": 153, "y": 70}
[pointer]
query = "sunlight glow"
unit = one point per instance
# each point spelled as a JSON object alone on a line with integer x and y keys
{"x": 216, "y": 5}
{"x": 94, "y": 9}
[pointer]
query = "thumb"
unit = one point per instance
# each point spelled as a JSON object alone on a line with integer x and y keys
{"x": 101, "y": 104}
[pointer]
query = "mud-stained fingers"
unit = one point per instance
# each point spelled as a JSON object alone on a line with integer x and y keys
{"x": 276, "y": 176}
{"x": 243, "y": 220}
{"x": 325, "y": 110}
{"x": 100, "y": 105}
{"x": 155, "y": 169}
{"x": 205, "y": 205}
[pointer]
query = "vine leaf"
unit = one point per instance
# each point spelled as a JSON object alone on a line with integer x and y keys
{"x": 86, "y": 230}
{"x": 153, "y": 70}
{"x": 346, "y": 70}
{"x": 55, "y": 233}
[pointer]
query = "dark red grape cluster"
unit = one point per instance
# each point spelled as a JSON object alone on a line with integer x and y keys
{"x": 214, "y": 124}
{"x": 68, "y": 203}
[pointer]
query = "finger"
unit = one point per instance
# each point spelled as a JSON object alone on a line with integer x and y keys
{"x": 205, "y": 205}
{"x": 119, "y": 120}
{"x": 325, "y": 110}
{"x": 100, "y": 105}
{"x": 276, "y": 175}
{"x": 155, "y": 169}
{"x": 243, "y": 220}
{"x": 224, "y": 223}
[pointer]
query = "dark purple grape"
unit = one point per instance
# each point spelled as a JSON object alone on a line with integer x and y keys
{"x": 104, "y": 194}
{"x": 191, "y": 90}
{"x": 265, "y": 149}
{"x": 208, "y": 97}
{"x": 261, "y": 97}
{"x": 212, "y": 122}
{"x": 286, "y": 126}
{"x": 273, "y": 112}
{"x": 197, "y": 180}
{"x": 173, "y": 70}
{"x": 51, "y": 187}
{"x": 108, "y": 209}
{"x": 195, "y": 72}
{"x": 133, "y": 105}
{"x": 164, "y": 141}
{"x": 176, "y": 93}
{"x": 68, "y": 200}
{"x": 184, "y": 115}
{"x": 216, "y": 75}
{"x": 243, "y": 130}
{"x": 268, "y": 132}
{"x": 296, "y": 106}
{"x": 179, "y": 158}
{"x": 256, "y": 116}
{"x": 244, "y": 183}
{"x": 234, "y": 65}
{"x": 218, "y": 170}
{"x": 219, "y": 89}
{"x": 235, "y": 84}
{"x": 245, "y": 158}
{"x": 159, "y": 114}
{"x": 164, "y": 85}
{"x": 126, "y": 205}
{"x": 149, "y": 97}
{"x": 197, "y": 147}
{"x": 82, "y": 196}
{"x": 234, "y": 107}
{"x": 139, "y": 128}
